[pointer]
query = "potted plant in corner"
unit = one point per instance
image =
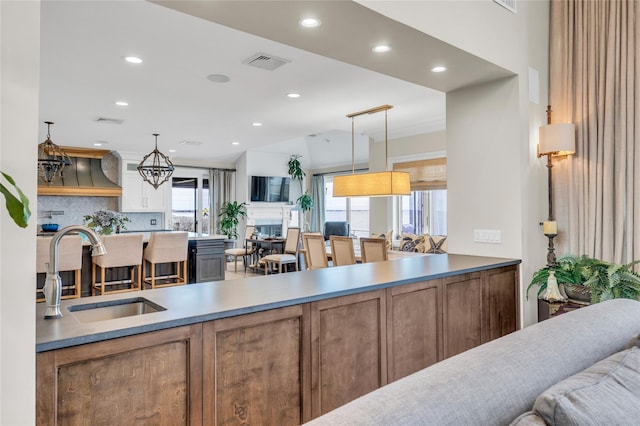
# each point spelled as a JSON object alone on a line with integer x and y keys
{"x": 305, "y": 201}
{"x": 229, "y": 215}
{"x": 588, "y": 280}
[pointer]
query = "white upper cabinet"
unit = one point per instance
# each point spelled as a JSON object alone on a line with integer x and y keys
{"x": 138, "y": 195}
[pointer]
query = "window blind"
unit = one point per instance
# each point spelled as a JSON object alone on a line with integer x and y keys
{"x": 425, "y": 174}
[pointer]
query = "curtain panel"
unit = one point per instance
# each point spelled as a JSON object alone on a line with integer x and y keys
{"x": 593, "y": 83}
{"x": 222, "y": 187}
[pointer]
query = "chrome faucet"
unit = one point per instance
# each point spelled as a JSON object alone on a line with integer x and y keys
{"x": 53, "y": 283}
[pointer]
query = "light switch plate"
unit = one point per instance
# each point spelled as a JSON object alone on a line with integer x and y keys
{"x": 492, "y": 236}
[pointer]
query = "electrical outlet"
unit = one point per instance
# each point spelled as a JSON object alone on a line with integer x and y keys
{"x": 153, "y": 221}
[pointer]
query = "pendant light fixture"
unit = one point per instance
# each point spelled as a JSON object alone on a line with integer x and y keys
{"x": 373, "y": 184}
{"x": 51, "y": 159}
{"x": 155, "y": 167}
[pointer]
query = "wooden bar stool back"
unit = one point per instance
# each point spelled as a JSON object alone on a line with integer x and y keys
{"x": 315, "y": 251}
{"x": 373, "y": 249}
{"x": 165, "y": 247}
{"x": 69, "y": 259}
{"x": 342, "y": 251}
{"x": 290, "y": 255}
{"x": 123, "y": 251}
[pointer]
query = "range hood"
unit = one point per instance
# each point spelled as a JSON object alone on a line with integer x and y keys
{"x": 83, "y": 177}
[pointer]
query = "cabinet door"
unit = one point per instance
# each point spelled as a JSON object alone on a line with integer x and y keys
{"x": 140, "y": 196}
{"x": 131, "y": 200}
{"x": 414, "y": 324}
{"x": 462, "y": 316}
{"x": 500, "y": 307}
{"x": 254, "y": 369}
{"x": 153, "y": 378}
{"x": 348, "y": 349}
{"x": 154, "y": 200}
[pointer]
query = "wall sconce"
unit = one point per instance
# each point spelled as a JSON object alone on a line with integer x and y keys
{"x": 374, "y": 184}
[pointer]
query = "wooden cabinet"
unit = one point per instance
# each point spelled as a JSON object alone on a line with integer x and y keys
{"x": 462, "y": 302}
{"x": 500, "y": 307}
{"x": 138, "y": 195}
{"x": 414, "y": 327}
{"x": 256, "y": 369}
{"x": 152, "y": 378}
{"x": 348, "y": 349}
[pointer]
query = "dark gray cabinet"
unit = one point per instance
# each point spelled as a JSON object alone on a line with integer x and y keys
{"x": 206, "y": 260}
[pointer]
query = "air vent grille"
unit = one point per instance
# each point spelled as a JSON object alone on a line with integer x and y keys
{"x": 507, "y": 4}
{"x": 190, "y": 142}
{"x": 265, "y": 61}
{"x": 109, "y": 120}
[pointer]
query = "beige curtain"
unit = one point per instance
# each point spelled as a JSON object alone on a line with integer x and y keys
{"x": 221, "y": 190}
{"x": 593, "y": 75}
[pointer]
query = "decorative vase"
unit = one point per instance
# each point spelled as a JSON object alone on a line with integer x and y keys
{"x": 578, "y": 293}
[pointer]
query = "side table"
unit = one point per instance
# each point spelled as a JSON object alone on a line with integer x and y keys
{"x": 548, "y": 309}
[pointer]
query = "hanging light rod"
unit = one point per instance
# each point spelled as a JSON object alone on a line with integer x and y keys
{"x": 370, "y": 111}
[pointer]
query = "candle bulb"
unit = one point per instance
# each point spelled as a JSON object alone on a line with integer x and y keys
{"x": 550, "y": 228}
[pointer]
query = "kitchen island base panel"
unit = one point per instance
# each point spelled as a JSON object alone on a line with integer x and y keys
{"x": 290, "y": 364}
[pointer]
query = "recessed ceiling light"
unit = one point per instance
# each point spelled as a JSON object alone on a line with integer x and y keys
{"x": 256, "y": 124}
{"x": 309, "y": 22}
{"x": 122, "y": 103}
{"x": 97, "y": 144}
{"x": 218, "y": 78}
{"x": 381, "y": 48}
{"x": 438, "y": 69}
{"x": 293, "y": 95}
{"x": 172, "y": 150}
{"x": 235, "y": 143}
{"x": 133, "y": 59}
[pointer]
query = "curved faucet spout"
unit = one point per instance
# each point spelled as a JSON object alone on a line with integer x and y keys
{"x": 53, "y": 283}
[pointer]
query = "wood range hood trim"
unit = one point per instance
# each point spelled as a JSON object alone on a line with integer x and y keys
{"x": 84, "y": 178}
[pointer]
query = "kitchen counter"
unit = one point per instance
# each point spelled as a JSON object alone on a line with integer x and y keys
{"x": 193, "y": 236}
{"x": 214, "y": 300}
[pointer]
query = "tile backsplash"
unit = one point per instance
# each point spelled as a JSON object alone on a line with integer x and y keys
{"x": 67, "y": 211}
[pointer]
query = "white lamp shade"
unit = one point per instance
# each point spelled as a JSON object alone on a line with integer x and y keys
{"x": 376, "y": 184}
{"x": 559, "y": 139}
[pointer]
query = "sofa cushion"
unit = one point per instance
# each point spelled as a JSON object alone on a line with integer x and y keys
{"x": 608, "y": 392}
{"x": 435, "y": 244}
{"x": 388, "y": 236}
{"x": 413, "y": 243}
{"x": 528, "y": 419}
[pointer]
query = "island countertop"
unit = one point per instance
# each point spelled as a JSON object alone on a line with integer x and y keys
{"x": 202, "y": 302}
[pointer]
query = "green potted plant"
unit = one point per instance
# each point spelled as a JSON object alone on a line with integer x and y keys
{"x": 587, "y": 279}
{"x": 18, "y": 207}
{"x": 305, "y": 201}
{"x": 229, "y": 215}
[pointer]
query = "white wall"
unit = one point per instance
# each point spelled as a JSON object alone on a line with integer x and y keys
{"x": 19, "y": 21}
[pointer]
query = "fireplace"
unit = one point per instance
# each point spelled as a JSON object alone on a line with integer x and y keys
{"x": 271, "y": 220}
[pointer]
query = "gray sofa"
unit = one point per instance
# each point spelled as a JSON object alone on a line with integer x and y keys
{"x": 495, "y": 383}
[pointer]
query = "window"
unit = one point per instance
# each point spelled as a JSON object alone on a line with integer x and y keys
{"x": 423, "y": 212}
{"x": 354, "y": 210}
{"x": 190, "y": 204}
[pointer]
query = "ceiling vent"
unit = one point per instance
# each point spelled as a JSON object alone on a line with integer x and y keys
{"x": 265, "y": 61}
{"x": 507, "y": 4}
{"x": 190, "y": 142}
{"x": 109, "y": 120}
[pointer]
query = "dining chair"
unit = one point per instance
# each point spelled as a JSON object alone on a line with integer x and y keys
{"x": 373, "y": 249}
{"x": 342, "y": 251}
{"x": 244, "y": 252}
{"x": 69, "y": 259}
{"x": 166, "y": 247}
{"x": 123, "y": 250}
{"x": 315, "y": 251}
{"x": 289, "y": 255}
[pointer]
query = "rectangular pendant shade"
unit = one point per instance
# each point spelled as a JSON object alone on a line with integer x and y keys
{"x": 376, "y": 184}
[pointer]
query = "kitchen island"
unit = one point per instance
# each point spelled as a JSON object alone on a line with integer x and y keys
{"x": 279, "y": 349}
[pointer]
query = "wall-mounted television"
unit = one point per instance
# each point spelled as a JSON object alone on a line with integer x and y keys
{"x": 270, "y": 189}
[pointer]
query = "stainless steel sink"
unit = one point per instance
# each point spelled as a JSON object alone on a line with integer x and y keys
{"x": 102, "y": 311}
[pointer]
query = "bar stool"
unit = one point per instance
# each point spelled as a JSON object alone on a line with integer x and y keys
{"x": 69, "y": 259}
{"x": 166, "y": 247}
{"x": 123, "y": 250}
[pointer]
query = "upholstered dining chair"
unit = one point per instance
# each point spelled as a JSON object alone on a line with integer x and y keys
{"x": 315, "y": 251}
{"x": 123, "y": 250}
{"x": 289, "y": 255}
{"x": 244, "y": 252}
{"x": 166, "y": 247}
{"x": 342, "y": 251}
{"x": 373, "y": 249}
{"x": 69, "y": 259}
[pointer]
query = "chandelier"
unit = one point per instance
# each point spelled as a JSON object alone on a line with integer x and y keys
{"x": 51, "y": 159}
{"x": 372, "y": 184}
{"x": 155, "y": 167}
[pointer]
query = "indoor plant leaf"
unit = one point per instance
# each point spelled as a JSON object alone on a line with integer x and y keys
{"x": 18, "y": 208}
